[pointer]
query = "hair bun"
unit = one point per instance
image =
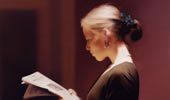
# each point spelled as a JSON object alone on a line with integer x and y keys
{"x": 136, "y": 31}
{"x": 130, "y": 26}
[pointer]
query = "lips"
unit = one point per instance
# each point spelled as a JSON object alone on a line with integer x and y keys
{"x": 92, "y": 53}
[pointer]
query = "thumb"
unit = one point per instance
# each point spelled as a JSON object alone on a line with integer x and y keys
{"x": 72, "y": 92}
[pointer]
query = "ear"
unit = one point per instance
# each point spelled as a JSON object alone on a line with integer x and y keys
{"x": 107, "y": 34}
{"x": 107, "y": 31}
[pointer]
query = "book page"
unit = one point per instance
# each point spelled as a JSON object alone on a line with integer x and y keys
{"x": 39, "y": 80}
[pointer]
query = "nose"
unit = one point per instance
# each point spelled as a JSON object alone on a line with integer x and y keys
{"x": 87, "y": 47}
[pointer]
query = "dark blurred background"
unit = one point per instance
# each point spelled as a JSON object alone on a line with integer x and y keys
{"x": 45, "y": 36}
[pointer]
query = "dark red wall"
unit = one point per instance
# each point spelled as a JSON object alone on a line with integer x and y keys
{"x": 153, "y": 51}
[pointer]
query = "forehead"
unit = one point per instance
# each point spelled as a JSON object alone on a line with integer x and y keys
{"x": 87, "y": 32}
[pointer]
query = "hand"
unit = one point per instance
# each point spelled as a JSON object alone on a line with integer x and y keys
{"x": 74, "y": 94}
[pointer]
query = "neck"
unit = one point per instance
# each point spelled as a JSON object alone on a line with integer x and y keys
{"x": 121, "y": 55}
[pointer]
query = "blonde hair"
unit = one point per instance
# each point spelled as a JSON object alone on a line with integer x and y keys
{"x": 100, "y": 17}
{"x": 108, "y": 16}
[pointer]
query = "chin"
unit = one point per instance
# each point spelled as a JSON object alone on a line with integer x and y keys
{"x": 99, "y": 59}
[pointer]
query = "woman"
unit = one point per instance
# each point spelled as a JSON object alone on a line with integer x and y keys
{"x": 108, "y": 31}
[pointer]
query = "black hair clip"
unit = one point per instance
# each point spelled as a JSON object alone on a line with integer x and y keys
{"x": 127, "y": 19}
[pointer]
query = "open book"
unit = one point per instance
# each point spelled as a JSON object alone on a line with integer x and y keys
{"x": 40, "y": 85}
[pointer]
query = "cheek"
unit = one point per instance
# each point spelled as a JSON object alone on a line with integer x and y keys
{"x": 99, "y": 45}
{"x": 98, "y": 49}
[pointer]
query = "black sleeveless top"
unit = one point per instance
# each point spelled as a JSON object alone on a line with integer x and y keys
{"x": 119, "y": 83}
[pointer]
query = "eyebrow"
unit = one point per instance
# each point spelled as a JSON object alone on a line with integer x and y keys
{"x": 89, "y": 35}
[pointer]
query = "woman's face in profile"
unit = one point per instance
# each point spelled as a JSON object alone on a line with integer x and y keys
{"x": 95, "y": 44}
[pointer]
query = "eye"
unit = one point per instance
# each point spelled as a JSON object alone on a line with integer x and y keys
{"x": 89, "y": 39}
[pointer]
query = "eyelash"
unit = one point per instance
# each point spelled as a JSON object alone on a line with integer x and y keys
{"x": 89, "y": 40}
